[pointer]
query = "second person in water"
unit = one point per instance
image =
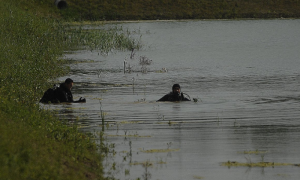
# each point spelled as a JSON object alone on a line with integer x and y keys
{"x": 175, "y": 95}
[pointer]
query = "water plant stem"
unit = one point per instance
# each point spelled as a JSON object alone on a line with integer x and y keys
{"x": 102, "y": 116}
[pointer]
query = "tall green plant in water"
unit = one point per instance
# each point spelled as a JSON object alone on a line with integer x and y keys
{"x": 102, "y": 40}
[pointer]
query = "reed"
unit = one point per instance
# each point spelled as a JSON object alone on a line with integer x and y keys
{"x": 102, "y": 116}
{"x": 143, "y": 62}
{"x": 147, "y": 174}
{"x": 103, "y": 41}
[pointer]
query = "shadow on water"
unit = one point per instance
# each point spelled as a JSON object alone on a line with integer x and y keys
{"x": 248, "y": 101}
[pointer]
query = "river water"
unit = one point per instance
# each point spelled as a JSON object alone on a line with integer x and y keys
{"x": 244, "y": 74}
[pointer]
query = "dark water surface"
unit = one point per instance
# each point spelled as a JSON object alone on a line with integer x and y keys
{"x": 245, "y": 74}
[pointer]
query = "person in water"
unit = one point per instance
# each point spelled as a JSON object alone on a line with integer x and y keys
{"x": 175, "y": 95}
{"x": 61, "y": 94}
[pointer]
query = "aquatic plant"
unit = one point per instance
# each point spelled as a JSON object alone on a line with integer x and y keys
{"x": 127, "y": 67}
{"x": 130, "y": 151}
{"x": 162, "y": 70}
{"x": 283, "y": 175}
{"x": 99, "y": 73}
{"x": 132, "y": 54}
{"x": 262, "y": 157}
{"x": 254, "y": 152}
{"x": 250, "y": 163}
{"x": 161, "y": 161}
{"x": 148, "y": 163}
{"x": 103, "y": 41}
{"x": 147, "y": 174}
{"x": 158, "y": 150}
{"x": 127, "y": 172}
{"x": 128, "y": 136}
{"x": 102, "y": 116}
{"x": 133, "y": 79}
{"x": 105, "y": 147}
{"x": 248, "y": 160}
{"x": 144, "y": 62}
{"x": 198, "y": 177}
{"x": 257, "y": 164}
{"x": 129, "y": 122}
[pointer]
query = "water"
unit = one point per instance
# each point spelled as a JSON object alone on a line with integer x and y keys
{"x": 245, "y": 74}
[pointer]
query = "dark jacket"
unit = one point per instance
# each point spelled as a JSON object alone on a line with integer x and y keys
{"x": 174, "y": 97}
{"x": 63, "y": 94}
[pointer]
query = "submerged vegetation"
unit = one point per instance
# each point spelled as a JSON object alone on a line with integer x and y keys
{"x": 257, "y": 164}
{"x": 180, "y": 9}
{"x": 158, "y": 150}
{"x": 34, "y": 143}
{"x": 254, "y": 152}
{"x": 249, "y": 162}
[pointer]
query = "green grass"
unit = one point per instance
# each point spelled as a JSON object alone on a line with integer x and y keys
{"x": 180, "y": 9}
{"x": 35, "y": 144}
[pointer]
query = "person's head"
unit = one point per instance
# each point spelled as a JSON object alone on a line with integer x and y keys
{"x": 69, "y": 83}
{"x": 176, "y": 88}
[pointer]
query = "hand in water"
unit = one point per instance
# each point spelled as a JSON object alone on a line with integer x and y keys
{"x": 82, "y": 99}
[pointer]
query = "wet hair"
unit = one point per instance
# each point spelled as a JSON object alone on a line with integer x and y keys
{"x": 175, "y": 86}
{"x": 68, "y": 81}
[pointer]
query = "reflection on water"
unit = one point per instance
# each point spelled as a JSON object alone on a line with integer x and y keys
{"x": 245, "y": 75}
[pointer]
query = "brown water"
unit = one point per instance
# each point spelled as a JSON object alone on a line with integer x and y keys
{"x": 245, "y": 75}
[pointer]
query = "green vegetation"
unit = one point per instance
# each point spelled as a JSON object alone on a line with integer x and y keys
{"x": 198, "y": 177}
{"x": 254, "y": 152}
{"x": 158, "y": 150}
{"x": 249, "y": 162}
{"x": 257, "y": 164}
{"x": 180, "y": 9}
{"x": 34, "y": 144}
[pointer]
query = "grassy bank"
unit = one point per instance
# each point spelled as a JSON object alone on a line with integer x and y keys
{"x": 180, "y": 9}
{"x": 34, "y": 144}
